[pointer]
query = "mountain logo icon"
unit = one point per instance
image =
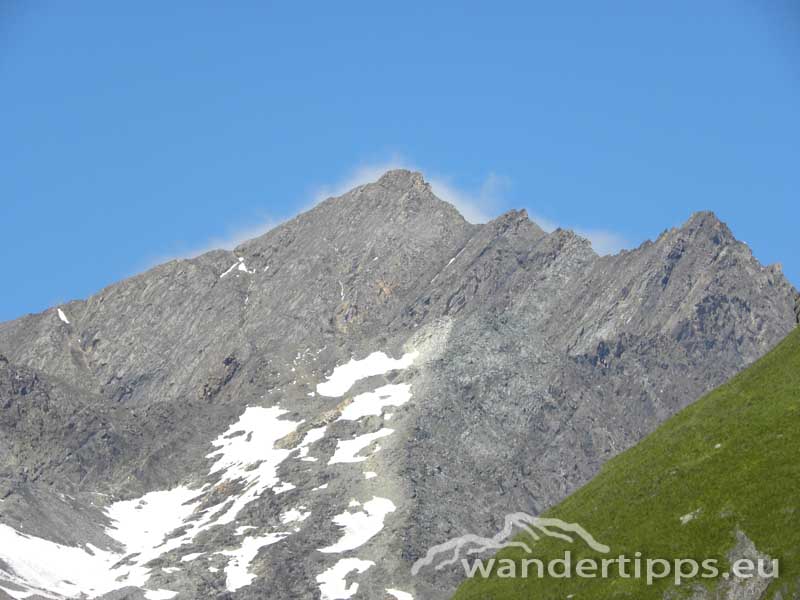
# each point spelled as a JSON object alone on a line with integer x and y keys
{"x": 451, "y": 551}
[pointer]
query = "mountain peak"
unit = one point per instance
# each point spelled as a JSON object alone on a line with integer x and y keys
{"x": 402, "y": 192}
{"x": 708, "y": 222}
{"x": 705, "y": 218}
{"x": 402, "y": 179}
{"x": 701, "y": 225}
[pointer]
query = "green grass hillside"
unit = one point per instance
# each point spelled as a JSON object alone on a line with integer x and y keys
{"x": 731, "y": 460}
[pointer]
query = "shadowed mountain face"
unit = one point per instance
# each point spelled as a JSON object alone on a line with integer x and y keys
{"x": 515, "y": 363}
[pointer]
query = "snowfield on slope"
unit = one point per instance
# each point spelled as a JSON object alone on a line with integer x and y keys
{"x": 248, "y": 453}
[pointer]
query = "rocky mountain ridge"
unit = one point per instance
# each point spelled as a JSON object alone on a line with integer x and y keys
{"x": 535, "y": 360}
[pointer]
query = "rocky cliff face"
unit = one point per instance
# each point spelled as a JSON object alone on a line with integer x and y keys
{"x": 223, "y": 427}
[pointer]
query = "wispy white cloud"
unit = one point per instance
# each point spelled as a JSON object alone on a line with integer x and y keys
{"x": 229, "y": 241}
{"x": 361, "y": 175}
{"x": 239, "y": 236}
{"x": 543, "y": 222}
{"x": 476, "y": 206}
{"x": 603, "y": 241}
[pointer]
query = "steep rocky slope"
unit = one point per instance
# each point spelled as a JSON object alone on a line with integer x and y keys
{"x": 529, "y": 361}
{"x": 719, "y": 481}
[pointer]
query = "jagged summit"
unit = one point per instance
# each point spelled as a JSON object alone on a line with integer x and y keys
{"x": 397, "y": 194}
{"x": 709, "y": 224}
{"x": 705, "y": 218}
{"x": 700, "y": 228}
{"x": 403, "y": 179}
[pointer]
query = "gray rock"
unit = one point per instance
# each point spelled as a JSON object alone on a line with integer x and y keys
{"x": 538, "y": 362}
{"x": 733, "y": 587}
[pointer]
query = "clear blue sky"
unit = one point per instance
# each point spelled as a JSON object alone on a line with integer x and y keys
{"x": 132, "y": 134}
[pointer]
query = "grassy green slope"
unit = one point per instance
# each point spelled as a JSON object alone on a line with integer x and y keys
{"x": 734, "y": 455}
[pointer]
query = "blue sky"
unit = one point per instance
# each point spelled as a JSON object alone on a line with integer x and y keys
{"x": 134, "y": 134}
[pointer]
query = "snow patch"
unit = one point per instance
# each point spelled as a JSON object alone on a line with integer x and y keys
{"x": 284, "y": 487}
{"x": 159, "y": 594}
{"x": 333, "y": 583}
{"x": 62, "y": 316}
{"x": 312, "y": 436}
{"x": 399, "y": 594}
{"x": 237, "y": 571}
{"x": 141, "y": 525}
{"x": 191, "y": 557}
{"x": 346, "y": 450}
{"x": 244, "y": 529}
{"x": 360, "y": 526}
{"x": 377, "y": 363}
{"x": 373, "y": 403}
{"x": 239, "y": 265}
{"x": 295, "y": 515}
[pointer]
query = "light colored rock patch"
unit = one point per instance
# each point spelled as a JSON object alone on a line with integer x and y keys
{"x": 736, "y": 588}
{"x": 690, "y": 517}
